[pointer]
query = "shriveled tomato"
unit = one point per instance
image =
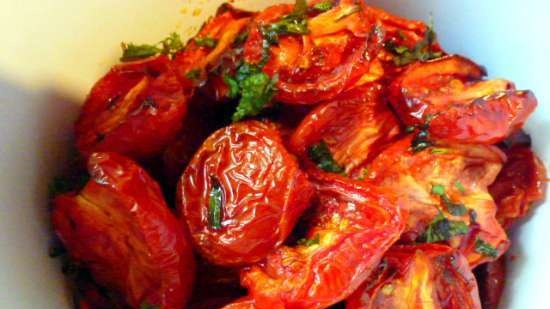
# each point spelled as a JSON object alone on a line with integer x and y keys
{"x": 204, "y": 52}
{"x": 353, "y": 126}
{"x": 352, "y": 227}
{"x": 520, "y": 184}
{"x": 448, "y": 199}
{"x": 119, "y": 227}
{"x": 242, "y": 193}
{"x": 136, "y": 110}
{"x": 320, "y": 63}
{"x": 461, "y": 106}
{"x": 419, "y": 277}
{"x": 242, "y": 303}
{"x": 491, "y": 278}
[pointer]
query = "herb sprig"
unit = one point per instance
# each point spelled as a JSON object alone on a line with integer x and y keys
{"x": 320, "y": 154}
{"x": 169, "y": 46}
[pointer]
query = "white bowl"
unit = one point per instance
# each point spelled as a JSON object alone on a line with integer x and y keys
{"x": 53, "y": 51}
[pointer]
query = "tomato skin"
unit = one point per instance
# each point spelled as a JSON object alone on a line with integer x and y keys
{"x": 264, "y": 193}
{"x": 464, "y": 108}
{"x": 120, "y": 228}
{"x": 242, "y": 303}
{"x": 419, "y": 276}
{"x": 491, "y": 279}
{"x": 520, "y": 184}
{"x": 136, "y": 110}
{"x": 354, "y": 125}
{"x": 412, "y": 176}
{"x": 354, "y": 225}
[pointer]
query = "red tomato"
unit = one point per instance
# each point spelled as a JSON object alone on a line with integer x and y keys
{"x": 520, "y": 184}
{"x": 353, "y": 226}
{"x": 491, "y": 279}
{"x": 464, "y": 108}
{"x": 463, "y": 172}
{"x": 243, "y": 303}
{"x": 136, "y": 110}
{"x": 321, "y": 64}
{"x": 261, "y": 193}
{"x": 224, "y": 29}
{"x": 419, "y": 277}
{"x": 120, "y": 228}
{"x": 353, "y": 126}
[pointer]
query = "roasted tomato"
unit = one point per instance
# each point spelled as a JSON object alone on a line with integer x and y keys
{"x": 120, "y": 228}
{"x": 353, "y": 226}
{"x": 242, "y": 193}
{"x": 448, "y": 199}
{"x": 419, "y": 277}
{"x": 448, "y": 95}
{"x": 520, "y": 184}
{"x": 491, "y": 278}
{"x": 319, "y": 63}
{"x": 242, "y": 303}
{"x": 136, "y": 110}
{"x": 204, "y": 52}
{"x": 353, "y": 126}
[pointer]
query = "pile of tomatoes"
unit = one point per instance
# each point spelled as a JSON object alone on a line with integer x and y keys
{"x": 306, "y": 156}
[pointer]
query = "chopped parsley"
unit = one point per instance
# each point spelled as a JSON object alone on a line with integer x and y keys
{"x": 320, "y": 154}
{"x": 169, "y": 46}
{"x": 323, "y": 6}
{"x": 456, "y": 209}
{"x": 484, "y": 248}
{"x": 293, "y": 23}
{"x": 442, "y": 229}
{"x": 193, "y": 74}
{"x": 309, "y": 242}
{"x": 206, "y": 42}
{"x": 422, "y": 51}
{"x": 215, "y": 205}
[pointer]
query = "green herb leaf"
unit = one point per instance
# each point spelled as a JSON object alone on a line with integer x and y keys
{"x": 257, "y": 90}
{"x": 323, "y": 6}
{"x": 456, "y": 209}
{"x": 437, "y": 150}
{"x": 422, "y": 51}
{"x": 484, "y": 248}
{"x": 460, "y": 187}
{"x": 215, "y": 205}
{"x": 293, "y": 23}
{"x": 131, "y": 52}
{"x": 320, "y": 154}
{"x": 350, "y": 10}
{"x": 233, "y": 86}
{"x": 148, "y": 306}
{"x": 206, "y": 42}
{"x": 309, "y": 242}
{"x": 169, "y": 46}
{"x": 193, "y": 74}
{"x": 442, "y": 229}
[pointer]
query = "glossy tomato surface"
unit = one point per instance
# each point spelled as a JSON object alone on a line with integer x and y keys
{"x": 352, "y": 226}
{"x": 419, "y": 277}
{"x": 355, "y": 125}
{"x": 448, "y": 95}
{"x": 119, "y": 227}
{"x": 261, "y": 192}
{"x": 463, "y": 173}
{"x": 135, "y": 110}
{"x": 520, "y": 185}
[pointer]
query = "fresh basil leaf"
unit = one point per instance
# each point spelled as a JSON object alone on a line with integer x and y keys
{"x": 320, "y": 154}
{"x": 215, "y": 205}
{"x": 422, "y": 51}
{"x": 131, "y": 52}
{"x": 233, "y": 86}
{"x": 172, "y": 44}
{"x": 257, "y": 90}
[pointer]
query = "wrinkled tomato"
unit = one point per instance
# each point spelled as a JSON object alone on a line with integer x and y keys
{"x": 520, "y": 184}
{"x": 353, "y": 226}
{"x": 335, "y": 53}
{"x": 135, "y": 110}
{"x": 353, "y": 126}
{"x": 242, "y": 193}
{"x": 448, "y": 180}
{"x": 491, "y": 278}
{"x": 197, "y": 60}
{"x": 418, "y": 277}
{"x": 242, "y": 303}
{"x": 120, "y": 228}
{"x": 449, "y": 96}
